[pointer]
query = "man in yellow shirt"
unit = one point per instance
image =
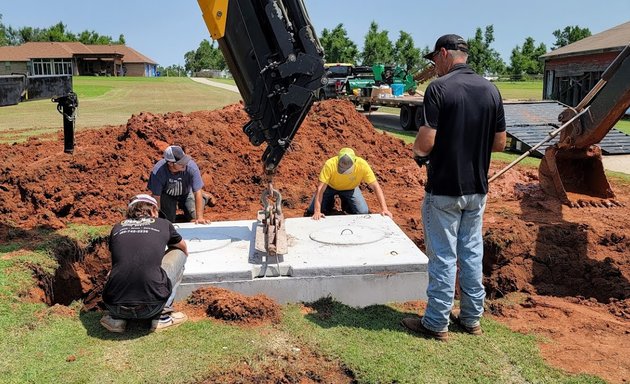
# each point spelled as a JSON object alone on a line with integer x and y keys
{"x": 341, "y": 176}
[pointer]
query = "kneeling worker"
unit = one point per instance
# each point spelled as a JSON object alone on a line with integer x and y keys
{"x": 341, "y": 176}
{"x": 176, "y": 181}
{"x": 144, "y": 277}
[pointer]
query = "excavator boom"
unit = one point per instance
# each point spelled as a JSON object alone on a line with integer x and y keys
{"x": 277, "y": 63}
{"x": 572, "y": 169}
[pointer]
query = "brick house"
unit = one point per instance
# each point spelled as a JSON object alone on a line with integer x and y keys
{"x": 573, "y": 70}
{"x": 74, "y": 58}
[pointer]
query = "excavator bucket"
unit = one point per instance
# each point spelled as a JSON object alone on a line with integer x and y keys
{"x": 575, "y": 176}
{"x": 273, "y": 53}
{"x": 572, "y": 169}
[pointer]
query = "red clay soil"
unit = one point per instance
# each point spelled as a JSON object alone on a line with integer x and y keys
{"x": 571, "y": 266}
{"x": 227, "y": 305}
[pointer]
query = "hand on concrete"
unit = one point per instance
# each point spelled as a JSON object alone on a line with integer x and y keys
{"x": 386, "y": 212}
{"x": 201, "y": 221}
{"x": 318, "y": 215}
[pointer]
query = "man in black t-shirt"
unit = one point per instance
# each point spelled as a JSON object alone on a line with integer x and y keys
{"x": 464, "y": 123}
{"x": 148, "y": 257}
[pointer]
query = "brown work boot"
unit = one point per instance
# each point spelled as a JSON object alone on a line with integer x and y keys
{"x": 475, "y": 330}
{"x": 414, "y": 324}
{"x": 113, "y": 324}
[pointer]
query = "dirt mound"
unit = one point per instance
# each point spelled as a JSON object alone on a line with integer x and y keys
{"x": 227, "y": 305}
{"x": 533, "y": 245}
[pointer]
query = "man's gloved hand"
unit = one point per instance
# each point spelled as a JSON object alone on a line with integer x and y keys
{"x": 421, "y": 160}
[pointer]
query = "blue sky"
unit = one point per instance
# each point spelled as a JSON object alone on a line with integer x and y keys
{"x": 165, "y": 30}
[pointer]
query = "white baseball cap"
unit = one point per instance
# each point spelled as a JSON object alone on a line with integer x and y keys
{"x": 143, "y": 197}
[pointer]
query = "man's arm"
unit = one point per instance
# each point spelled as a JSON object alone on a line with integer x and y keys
{"x": 181, "y": 245}
{"x": 498, "y": 145}
{"x": 319, "y": 195}
{"x": 199, "y": 205}
{"x": 381, "y": 198}
{"x": 425, "y": 139}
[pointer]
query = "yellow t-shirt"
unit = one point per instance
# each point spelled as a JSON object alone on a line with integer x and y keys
{"x": 340, "y": 182}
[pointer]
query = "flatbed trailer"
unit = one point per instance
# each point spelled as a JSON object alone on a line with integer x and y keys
{"x": 411, "y": 107}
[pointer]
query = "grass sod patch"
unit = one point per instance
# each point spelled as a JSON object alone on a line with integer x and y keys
{"x": 624, "y": 125}
{"x": 377, "y": 349}
{"x": 78, "y": 349}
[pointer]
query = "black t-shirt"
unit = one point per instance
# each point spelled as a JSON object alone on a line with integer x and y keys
{"x": 137, "y": 247}
{"x": 467, "y": 111}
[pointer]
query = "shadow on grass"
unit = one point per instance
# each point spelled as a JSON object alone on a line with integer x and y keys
{"x": 328, "y": 313}
{"x": 134, "y": 330}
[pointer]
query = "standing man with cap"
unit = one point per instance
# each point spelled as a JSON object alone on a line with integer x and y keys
{"x": 144, "y": 277}
{"x": 176, "y": 181}
{"x": 464, "y": 123}
{"x": 341, "y": 176}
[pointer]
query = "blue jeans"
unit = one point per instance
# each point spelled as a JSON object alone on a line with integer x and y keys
{"x": 452, "y": 235}
{"x": 169, "y": 204}
{"x": 173, "y": 264}
{"x": 352, "y": 202}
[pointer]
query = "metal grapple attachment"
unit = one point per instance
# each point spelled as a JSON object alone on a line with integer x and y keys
{"x": 277, "y": 63}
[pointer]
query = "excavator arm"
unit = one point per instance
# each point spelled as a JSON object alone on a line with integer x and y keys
{"x": 572, "y": 169}
{"x": 277, "y": 63}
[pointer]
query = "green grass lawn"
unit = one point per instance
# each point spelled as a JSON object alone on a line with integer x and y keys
{"x": 47, "y": 344}
{"x": 112, "y": 101}
{"x": 42, "y": 344}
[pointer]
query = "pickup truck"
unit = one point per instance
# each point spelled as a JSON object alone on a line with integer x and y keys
{"x": 337, "y": 74}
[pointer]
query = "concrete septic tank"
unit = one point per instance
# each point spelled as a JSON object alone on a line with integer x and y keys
{"x": 358, "y": 260}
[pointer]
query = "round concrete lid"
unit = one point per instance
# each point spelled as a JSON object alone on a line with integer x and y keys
{"x": 197, "y": 245}
{"x": 347, "y": 235}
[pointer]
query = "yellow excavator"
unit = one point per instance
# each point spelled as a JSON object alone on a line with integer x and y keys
{"x": 277, "y": 62}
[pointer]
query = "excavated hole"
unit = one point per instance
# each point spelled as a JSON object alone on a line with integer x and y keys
{"x": 81, "y": 274}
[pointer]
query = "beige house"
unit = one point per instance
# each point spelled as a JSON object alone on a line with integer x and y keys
{"x": 74, "y": 58}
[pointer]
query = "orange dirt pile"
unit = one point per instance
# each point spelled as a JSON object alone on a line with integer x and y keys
{"x": 227, "y": 305}
{"x": 579, "y": 258}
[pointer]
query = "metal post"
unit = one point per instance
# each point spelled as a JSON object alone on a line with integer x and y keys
{"x": 67, "y": 106}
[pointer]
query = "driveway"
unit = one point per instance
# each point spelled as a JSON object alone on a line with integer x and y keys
{"x": 206, "y": 81}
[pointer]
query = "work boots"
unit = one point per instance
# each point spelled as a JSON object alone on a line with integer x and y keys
{"x": 172, "y": 319}
{"x": 113, "y": 324}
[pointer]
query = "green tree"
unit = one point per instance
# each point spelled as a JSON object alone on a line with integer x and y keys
{"x": 205, "y": 57}
{"x": 377, "y": 48}
{"x": 569, "y": 35}
{"x": 4, "y": 40}
{"x": 338, "y": 47}
{"x": 481, "y": 57}
{"x": 525, "y": 60}
{"x": 405, "y": 53}
{"x": 174, "y": 70}
{"x": 93, "y": 38}
{"x": 57, "y": 32}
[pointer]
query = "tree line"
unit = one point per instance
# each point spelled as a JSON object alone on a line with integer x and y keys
{"x": 58, "y": 33}
{"x": 378, "y": 48}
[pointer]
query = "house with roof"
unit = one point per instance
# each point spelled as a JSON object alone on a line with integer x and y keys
{"x": 573, "y": 70}
{"x": 74, "y": 58}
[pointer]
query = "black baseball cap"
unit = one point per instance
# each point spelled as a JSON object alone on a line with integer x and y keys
{"x": 450, "y": 42}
